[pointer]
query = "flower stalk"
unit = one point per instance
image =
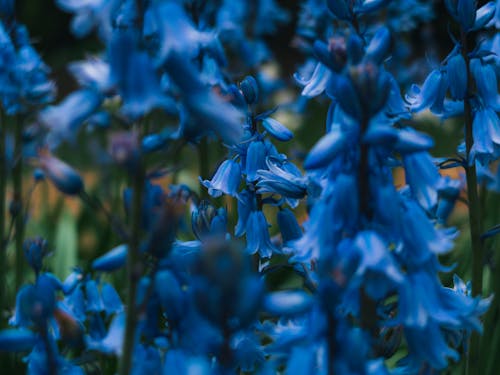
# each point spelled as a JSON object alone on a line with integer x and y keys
{"x": 17, "y": 201}
{"x": 474, "y": 210}
{"x": 134, "y": 268}
{"x": 3, "y": 180}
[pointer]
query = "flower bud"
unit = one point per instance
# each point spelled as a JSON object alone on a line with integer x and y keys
{"x": 64, "y": 177}
{"x": 250, "y": 89}
{"x": 35, "y": 250}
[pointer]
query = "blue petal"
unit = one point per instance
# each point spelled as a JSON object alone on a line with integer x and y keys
{"x": 17, "y": 340}
{"x": 326, "y": 149}
{"x": 277, "y": 130}
{"x": 112, "y": 260}
{"x": 287, "y": 303}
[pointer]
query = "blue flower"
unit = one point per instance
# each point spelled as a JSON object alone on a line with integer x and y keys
{"x": 258, "y": 239}
{"x": 63, "y": 120}
{"x": 422, "y": 177}
{"x": 225, "y": 181}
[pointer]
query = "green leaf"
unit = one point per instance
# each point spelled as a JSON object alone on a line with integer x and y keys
{"x": 66, "y": 246}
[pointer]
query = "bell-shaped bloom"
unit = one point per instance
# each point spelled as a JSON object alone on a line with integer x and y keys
{"x": 377, "y": 271}
{"x": 379, "y": 45}
{"x": 457, "y": 76}
{"x": 430, "y": 94}
{"x": 486, "y": 134}
{"x": 93, "y": 297}
{"x": 463, "y": 11}
{"x": 90, "y": 14}
{"x": 246, "y": 204}
{"x": 255, "y": 159}
{"x": 422, "y": 177}
{"x": 421, "y": 240}
{"x": 258, "y": 239}
{"x": 63, "y": 120}
{"x": 170, "y": 294}
{"x": 207, "y": 111}
{"x": 93, "y": 73}
{"x": 343, "y": 90}
{"x": 140, "y": 92}
{"x": 484, "y": 15}
{"x": 277, "y": 180}
{"x": 110, "y": 299}
{"x": 316, "y": 83}
{"x": 486, "y": 82}
{"x": 112, "y": 342}
{"x": 289, "y": 227}
{"x": 178, "y": 34}
{"x": 225, "y": 181}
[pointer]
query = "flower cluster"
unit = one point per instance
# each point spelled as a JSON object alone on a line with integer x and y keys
{"x": 188, "y": 285}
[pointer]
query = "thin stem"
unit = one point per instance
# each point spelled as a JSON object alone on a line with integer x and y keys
{"x": 3, "y": 179}
{"x": 474, "y": 211}
{"x": 134, "y": 268}
{"x": 368, "y": 305}
{"x": 49, "y": 350}
{"x": 17, "y": 176}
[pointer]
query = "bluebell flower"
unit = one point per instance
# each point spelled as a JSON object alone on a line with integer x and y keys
{"x": 421, "y": 240}
{"x": 89, "y": 15}
{"x": 463, "y": 11}
{"x": 289, "y": 227}
{"x": 113, "y": 341}
{"x": 486, "y": 82}
{"x": 255, "y": 159}
{"x": 422, "y": 177}
{"x": 486, "y": 134}
{"x": 93, "y": 73}
{"x": 257, "y": 232}
{"x": 63, "y": 120}
{"x": 484, "y": 15}
{"x": 431, "y": 94}
{"x": 226, "y": 180}
{"x": 207, "y": 111}
{"x": 276, "y": 179}
{"x": 457, "y": 76}
{"x": 327, "y": 148}
{"x": 317, "y": 81}
{"x": 377, "y": 269}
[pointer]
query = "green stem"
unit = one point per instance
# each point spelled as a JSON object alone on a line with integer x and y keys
{"x": 3, "y": 179}
{"x": 17, "y": 176}
{"x": 474, "y": 212}
{"x": 134, "y": 268}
